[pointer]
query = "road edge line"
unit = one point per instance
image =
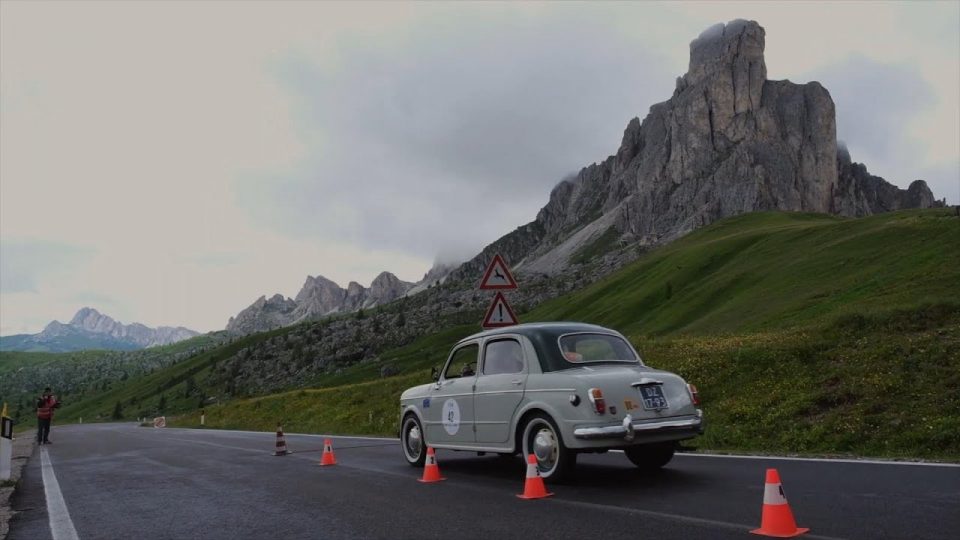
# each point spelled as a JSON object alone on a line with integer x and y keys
{"x": 61, "y": 526}
{"x": 824, "y": 460}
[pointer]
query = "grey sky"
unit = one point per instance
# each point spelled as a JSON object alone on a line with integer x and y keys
{"x": 170, "y": 162}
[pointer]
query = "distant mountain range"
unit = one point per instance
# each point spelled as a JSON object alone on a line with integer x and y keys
{"x": 90, "y": 329}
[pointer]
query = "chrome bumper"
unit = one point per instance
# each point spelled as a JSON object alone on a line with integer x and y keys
{"x": 628, "y": 429}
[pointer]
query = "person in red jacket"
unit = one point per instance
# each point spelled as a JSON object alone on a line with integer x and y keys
{"x": 45, "y": 406}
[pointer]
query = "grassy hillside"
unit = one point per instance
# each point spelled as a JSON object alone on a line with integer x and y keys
{"x": 805, "y": 333}
{"x": 75, "y": 376}
{"x": 175, "y": 388}
{"x": 776, "y": 270}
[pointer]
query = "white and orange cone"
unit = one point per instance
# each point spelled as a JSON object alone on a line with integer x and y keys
{"x": 533, "y": 488}
{"x": 431, "y": 471}
{"x": 327, "y": 458}
{"x": 281, "y": 449}
{"x": 777, "y": 520}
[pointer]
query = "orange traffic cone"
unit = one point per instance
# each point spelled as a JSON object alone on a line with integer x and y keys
{"x": 431, "y": 472}
{"x": 281, "y": 444}
{"x": 533, "y": 488}
{"x": 777, "y": 520}
{"x": 327, "y": 458}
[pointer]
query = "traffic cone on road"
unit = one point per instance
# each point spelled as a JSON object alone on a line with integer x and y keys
{"x": 777, "y": 519}
{"x": 533, "y": 488}
{"x": 327, "y": 458}
{"x": 281, "y": 444}
{"x": 431, "y": 472}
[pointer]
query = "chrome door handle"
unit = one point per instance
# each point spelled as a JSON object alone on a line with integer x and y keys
{"x": 517, "y": 382}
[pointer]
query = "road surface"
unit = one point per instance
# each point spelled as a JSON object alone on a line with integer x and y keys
{"x": 112, "y": 481}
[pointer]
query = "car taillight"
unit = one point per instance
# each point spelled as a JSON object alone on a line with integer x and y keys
{"x": 596, "y": 399}
{"x": 694, "y": 395}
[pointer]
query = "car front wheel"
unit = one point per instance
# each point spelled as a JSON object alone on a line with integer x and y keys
{"x": 542, "y": 439}
{"x": 413, "y": 442}
{"x": 650, "y": 457}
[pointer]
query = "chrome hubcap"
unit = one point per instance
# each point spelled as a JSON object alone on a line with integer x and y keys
{"x": 414, "y": 441}
{"x": 545, "y": 448}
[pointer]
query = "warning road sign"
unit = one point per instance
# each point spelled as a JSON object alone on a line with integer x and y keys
{"x": 497, "y": 275}
{"x": 499, "y": 314}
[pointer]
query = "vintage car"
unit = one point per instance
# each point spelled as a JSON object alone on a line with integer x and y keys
{"x": 552, "y": 390}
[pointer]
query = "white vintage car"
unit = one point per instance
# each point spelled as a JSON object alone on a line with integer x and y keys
{"x": 552, "y": 390}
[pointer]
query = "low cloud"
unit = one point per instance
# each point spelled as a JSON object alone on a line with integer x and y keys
{"x": 446, "y": 141}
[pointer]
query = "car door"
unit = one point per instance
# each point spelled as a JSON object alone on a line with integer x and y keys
{"x": 499, "y": 388}
{"x": 449, "y": 410}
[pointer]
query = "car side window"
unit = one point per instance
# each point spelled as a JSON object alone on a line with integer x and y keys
{"x": 502, "y": 356}
{"x": 463, "y": 363}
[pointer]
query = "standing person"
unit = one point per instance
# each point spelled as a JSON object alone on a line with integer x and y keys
{"x": 45, "y": 406}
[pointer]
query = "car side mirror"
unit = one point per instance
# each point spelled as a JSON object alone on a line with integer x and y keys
{"x": 435, "y": 373}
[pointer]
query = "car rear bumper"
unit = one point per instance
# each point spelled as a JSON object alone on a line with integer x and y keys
{"x": 630, "y": 429}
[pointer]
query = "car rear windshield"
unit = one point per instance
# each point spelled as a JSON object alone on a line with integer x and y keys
{"x": 579, "y": 348}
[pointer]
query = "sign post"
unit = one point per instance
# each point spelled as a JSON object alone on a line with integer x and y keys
{"x": 497, "y": 277}
{"x": 203, "y": 417}
{"x": 6, "y": 444}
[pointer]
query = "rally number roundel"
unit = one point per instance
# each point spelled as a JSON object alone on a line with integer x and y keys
{"x": 451, "y": 416}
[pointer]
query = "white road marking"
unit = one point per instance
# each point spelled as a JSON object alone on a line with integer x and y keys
{"x": 824, "y": 460}
{"x": 61, "y": 526}
{"x": 663, "y": 515}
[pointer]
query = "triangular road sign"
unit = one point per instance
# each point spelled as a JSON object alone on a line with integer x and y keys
{"x": 497, "y": 275}
{"x": 499, "y": 313}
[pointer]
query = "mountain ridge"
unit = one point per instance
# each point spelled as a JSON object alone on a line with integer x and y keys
{"x": 318, "y": 297}
{"x": 90, "y": 329}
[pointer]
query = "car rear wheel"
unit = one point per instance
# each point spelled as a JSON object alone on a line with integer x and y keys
{"x": 412, "y": 440}
{"x": 650, "y": 457}
{"x": 542, "y": 439}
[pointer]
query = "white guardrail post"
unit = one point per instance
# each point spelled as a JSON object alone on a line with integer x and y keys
{"x": 6, "y": 444}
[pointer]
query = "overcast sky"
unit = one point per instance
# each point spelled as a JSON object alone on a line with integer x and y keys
{"x": 168, "y": 163}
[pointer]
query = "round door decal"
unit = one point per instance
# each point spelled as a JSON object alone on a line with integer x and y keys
{"x": 451, "y": 416}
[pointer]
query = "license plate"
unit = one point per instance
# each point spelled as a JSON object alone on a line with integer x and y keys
{"x": 652, "y": 397}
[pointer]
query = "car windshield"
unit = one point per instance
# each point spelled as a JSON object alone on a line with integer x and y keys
{"x": 579, "y": 348}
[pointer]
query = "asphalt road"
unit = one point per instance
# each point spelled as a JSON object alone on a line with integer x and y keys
{"x": 122, "y": 481}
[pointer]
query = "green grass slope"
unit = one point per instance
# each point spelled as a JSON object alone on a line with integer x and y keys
{"x": 805, "y": 333}
{"x": 175, "y": 388}
{"x": 775, "y": 270}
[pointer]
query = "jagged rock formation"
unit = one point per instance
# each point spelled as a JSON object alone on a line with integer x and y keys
{"x": 90, "y": 329}
{"x": 727, "y": 142}
{"x": 862, "y": 193}
{"x": 318, "y": 297}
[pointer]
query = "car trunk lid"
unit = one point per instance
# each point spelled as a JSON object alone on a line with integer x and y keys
{"x": 640, "y": 391}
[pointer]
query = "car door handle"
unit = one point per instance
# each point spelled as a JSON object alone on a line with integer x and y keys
{"x": 517, "y": 382}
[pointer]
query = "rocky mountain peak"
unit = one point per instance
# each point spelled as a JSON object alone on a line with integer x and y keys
{"x": 728, "y": 141}
{"x": 91, "y": 319}
{"x": 733, "y": 48}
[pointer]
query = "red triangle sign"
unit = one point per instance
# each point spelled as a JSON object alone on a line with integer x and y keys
{"x": 499, "y": 313}
{"x": 497, "y": 275}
